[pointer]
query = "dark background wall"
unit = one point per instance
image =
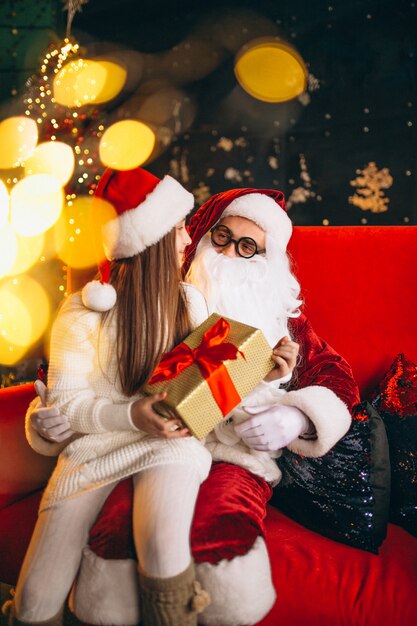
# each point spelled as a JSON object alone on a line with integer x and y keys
{"x": 360, "y": 106}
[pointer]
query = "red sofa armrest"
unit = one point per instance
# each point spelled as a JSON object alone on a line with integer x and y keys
{"x": 21, "y": 469}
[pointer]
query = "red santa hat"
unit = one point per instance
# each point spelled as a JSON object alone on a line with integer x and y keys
{"x": 147, "y": 209}
{"x": 265, "y": 207}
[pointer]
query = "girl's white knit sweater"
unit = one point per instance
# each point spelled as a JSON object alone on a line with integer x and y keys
{"x": 83, "y": 384}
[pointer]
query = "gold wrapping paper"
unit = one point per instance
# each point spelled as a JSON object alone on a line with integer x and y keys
{"x": 189, "y": 397}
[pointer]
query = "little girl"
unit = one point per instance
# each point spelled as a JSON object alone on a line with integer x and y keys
{"x": 105, "y": 344}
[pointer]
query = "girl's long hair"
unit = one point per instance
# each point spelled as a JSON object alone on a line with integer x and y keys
{"x": 151, "y": 314}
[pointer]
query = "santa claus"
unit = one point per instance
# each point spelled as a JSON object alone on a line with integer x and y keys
{"x": 238, "y": 259}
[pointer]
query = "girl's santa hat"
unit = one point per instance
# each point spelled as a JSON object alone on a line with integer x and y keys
{"x": 147, "y": 209}
{"x": 265, "y": 207}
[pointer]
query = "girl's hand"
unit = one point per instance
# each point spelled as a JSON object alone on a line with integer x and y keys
{"x": 147, "y": 420}
{"x": 284, "y": 355}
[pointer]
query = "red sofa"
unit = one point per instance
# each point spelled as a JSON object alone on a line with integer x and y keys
{"x": 361, "y": 294}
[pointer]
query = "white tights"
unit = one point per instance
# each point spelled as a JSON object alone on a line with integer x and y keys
{"x": 164, "y": 500}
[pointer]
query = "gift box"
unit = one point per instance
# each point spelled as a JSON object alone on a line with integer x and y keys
{"x": 208, "y": 374}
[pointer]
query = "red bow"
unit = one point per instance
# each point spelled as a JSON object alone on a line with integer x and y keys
{"x": 209, "y": 356}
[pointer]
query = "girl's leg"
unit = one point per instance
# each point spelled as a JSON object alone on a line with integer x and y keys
{"x": 54, "y": 555}
{"x": 163, "y": 509}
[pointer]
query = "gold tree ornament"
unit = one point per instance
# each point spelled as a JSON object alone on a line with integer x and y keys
{"x": 72, "y": 6}
{"x": 304, "y": 191}
{"x": 370, "y": 183}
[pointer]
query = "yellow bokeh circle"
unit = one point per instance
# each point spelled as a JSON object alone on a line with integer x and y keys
{"x": 8, "y": 249}
{"x": 78, "y": 231}
{"x": 35, "y": 204}
{"x": 15, "y": 322}
{"x": 10, "y": 354}
{"x": 85, "y": 81}
{"x": 24, "y": 313}
{"x": 115, "y": 80}
{"x": 271, "y": 71}
{"x": 29, "y": 249}
{"x": 52, "y": 157}
{"x": 18, "y": 138}
{"x": 126, "y": 144}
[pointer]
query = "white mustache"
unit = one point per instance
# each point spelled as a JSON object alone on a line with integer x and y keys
{"x": 236, "y": 270}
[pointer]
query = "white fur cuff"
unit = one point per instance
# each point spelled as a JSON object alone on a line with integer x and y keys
{"x": 106, "y": 591}
{"x": 328, "y": 413}
{"x": 241, "y": 589}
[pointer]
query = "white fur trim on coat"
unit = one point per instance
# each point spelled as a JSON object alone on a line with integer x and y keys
{"x": 137, "y": 229}
{"x": 106, "y": 591}
{"x": 328, "y": 413}
{"x": 265, "y": 212}
{"x": 241, "y": 589}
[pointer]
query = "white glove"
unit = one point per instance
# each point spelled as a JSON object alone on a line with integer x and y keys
{"x": 47, "y": 420}
{"x": 272, "y": 427}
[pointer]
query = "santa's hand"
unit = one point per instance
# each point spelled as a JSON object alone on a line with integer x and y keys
{"x": 270, "y": 428}
{"x": 47, "y": 420}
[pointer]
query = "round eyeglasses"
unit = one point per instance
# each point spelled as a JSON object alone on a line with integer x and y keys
{"x": 245, "y": 247}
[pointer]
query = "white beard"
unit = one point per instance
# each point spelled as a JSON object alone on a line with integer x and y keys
{"x": 247, "y": 290}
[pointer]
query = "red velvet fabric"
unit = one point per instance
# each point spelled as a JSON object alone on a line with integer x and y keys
{"x": 359, "y": 288}
{"x": 323, "y": 583}
{"x": 319, "y": 582}
{"x": 320, "y": 365}
{"x": 22, "y": 470}
{"x": 229, "y": 515}
{"x": 230, "y": 499}
{"x": 17, "y": 522}
{"x": 112, "y": 534}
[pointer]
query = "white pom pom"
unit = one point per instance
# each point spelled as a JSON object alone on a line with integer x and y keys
{"x": 98, "y": 296}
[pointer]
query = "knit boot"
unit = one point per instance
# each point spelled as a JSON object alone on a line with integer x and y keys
{"x": 8, "y": 609}
{"x": 172, "y": 601}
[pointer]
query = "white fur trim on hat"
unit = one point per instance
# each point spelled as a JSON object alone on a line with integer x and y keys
{"x": 98, "y": 296}
{"x": 328, "y": 413}
{"x": 265, "y": 212}
{"x": 241, "y": 588}
{"x": 137, "y": 229}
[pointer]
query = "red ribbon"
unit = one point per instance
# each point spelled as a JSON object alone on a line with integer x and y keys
{"x": 209, "y": 356}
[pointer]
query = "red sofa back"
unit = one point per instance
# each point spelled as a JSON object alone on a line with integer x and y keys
{"x": 360, "y": 290}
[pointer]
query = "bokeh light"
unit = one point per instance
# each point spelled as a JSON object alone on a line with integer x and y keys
{"x": 271, "y": 71}
{"x": 24, "y": 316}
{"x": 9, "y": 353}
{"x": 86, "y": 81}
{"x": 52, "y": 157}
{"x": 4, "y": 204}
{"x": 18, "y": 138}
{"x": 35, "y": 204}
{"x": 115, "y": 80}
{"x": 8, "y": 247}
{"x": 126, "y": 144}
{"x": 29, "y": 249}
{"x": 78, "y": 231}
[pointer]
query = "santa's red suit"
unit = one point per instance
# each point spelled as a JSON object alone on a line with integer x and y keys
{"x": 227, "y": 534}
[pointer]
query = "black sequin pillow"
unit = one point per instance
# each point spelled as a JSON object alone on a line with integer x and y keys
{"x": 395, "y": 398}
{"x": 343, "y": 495}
